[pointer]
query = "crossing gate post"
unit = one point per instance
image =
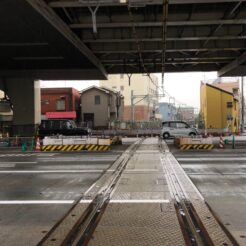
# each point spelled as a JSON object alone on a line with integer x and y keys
{"x": 221, "y": 143}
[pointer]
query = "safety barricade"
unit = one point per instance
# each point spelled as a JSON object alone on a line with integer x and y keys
{"x": 78, "y": 147}
{"x": 196, "y": 146}
{"x": 188, "y": 143}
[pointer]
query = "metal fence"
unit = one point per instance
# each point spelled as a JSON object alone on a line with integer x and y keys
{"x": 136, "y": 125}
{"x": 25, "y": 143}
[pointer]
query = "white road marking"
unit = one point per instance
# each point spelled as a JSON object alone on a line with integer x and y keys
{"x": 139, "y": 201}
{"x": 44, "y": 154}
{"x": 74, "y": 159}
{"x": 141, "y": 170}
{"x": 85, "y": 201}
{"x": 213, "y": 159}
{"x": 26, "y": 155}
{"x": 6, "y": 165}
{"x": 16, "y": 155}
{"x": 16, "y": 202}
{"x": 33, "y": 202}
{"x": 18, "y": 162}
{"x": 50, "y": 171}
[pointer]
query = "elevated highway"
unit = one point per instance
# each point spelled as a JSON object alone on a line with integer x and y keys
{"x": 83, "y": 39}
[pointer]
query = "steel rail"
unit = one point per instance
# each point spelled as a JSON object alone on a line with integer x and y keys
{"x": 192, "y": 226}
{"x": 80, "y": 232}
{"x": 194, "y": 232}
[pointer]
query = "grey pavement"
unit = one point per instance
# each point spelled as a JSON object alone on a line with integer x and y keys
{"x": 37, "y": 189}
{"x": 220, "y": 176}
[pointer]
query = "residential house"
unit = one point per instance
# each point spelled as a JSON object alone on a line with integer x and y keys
{"x": 101, "y": 106}
{"x": 219, "y": 108}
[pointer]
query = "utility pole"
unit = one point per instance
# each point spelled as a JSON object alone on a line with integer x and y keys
{"x": 242, "y": 102}
{"x": 132, "y": 106}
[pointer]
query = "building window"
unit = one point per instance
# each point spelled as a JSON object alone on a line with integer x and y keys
{"x": 122, "y": 88}
{"x": 60, "y": 105}
{"x": 229, "y": 104}
{"x": 235, "y": 91}
{"x": 44, "y": 102}
{"x": 97, "y": 100}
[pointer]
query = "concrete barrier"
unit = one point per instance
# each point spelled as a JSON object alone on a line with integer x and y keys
{"x": 186, "y": 143}
{"x": 75, "y": 147}
{"x": 75, "y": 144}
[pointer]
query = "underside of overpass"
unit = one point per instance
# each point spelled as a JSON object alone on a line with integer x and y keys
{"x": 54, "y": 39}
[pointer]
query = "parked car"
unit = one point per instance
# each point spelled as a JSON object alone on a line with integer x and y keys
{"x": 177, "y": 128}
{"x": 61, "y": 127}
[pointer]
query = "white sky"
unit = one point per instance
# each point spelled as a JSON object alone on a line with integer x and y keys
{"x": 185, "y": 87}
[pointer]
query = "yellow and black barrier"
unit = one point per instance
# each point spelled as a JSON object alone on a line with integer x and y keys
{"x": 196, "y": 146}
{"x": 75, "y": 147}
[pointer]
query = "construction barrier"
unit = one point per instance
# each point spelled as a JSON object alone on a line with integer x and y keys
{"x": 196, "y": 146}
{"x": 78, "y": 147}
{"x": 186, "y": 143}
{"x": 221, "y": 143}
{"x": 38, "y": 145}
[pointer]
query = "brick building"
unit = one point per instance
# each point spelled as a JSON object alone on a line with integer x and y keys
{"x": 60, "y": 103}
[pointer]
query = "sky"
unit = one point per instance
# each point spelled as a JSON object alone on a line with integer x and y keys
{"x": 184, "y": 87}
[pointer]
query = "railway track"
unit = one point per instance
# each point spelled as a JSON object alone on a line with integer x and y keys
{"x": 88, "y": 211}
{"x": 193, "y": 229}
{"x": 79, "y": 224}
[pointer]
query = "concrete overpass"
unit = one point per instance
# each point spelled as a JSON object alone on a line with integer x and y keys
{"x": 81, "y": 39}
{"x": 49, "y": 39}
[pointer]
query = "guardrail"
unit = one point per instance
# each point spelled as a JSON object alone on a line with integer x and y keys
{"x": 26, "y": 143}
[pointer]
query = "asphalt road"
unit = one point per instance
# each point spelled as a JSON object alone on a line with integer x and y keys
{"x": 36, "y": 190}
{"x": 220, "y": 176}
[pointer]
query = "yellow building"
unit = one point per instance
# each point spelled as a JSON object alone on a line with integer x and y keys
{"x": 219, "y": 108}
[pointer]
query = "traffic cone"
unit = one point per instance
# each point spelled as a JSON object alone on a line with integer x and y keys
{"x": 38, "y": 148}
{"x": 221, "y": 144}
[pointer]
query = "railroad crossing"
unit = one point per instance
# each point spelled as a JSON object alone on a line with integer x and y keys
{"x": 135, "y": 195}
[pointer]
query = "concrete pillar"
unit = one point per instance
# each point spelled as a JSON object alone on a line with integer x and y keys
{"x": 25, "y": 97}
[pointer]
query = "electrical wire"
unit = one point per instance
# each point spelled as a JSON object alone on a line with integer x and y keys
{"x": 138, "y": 44}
